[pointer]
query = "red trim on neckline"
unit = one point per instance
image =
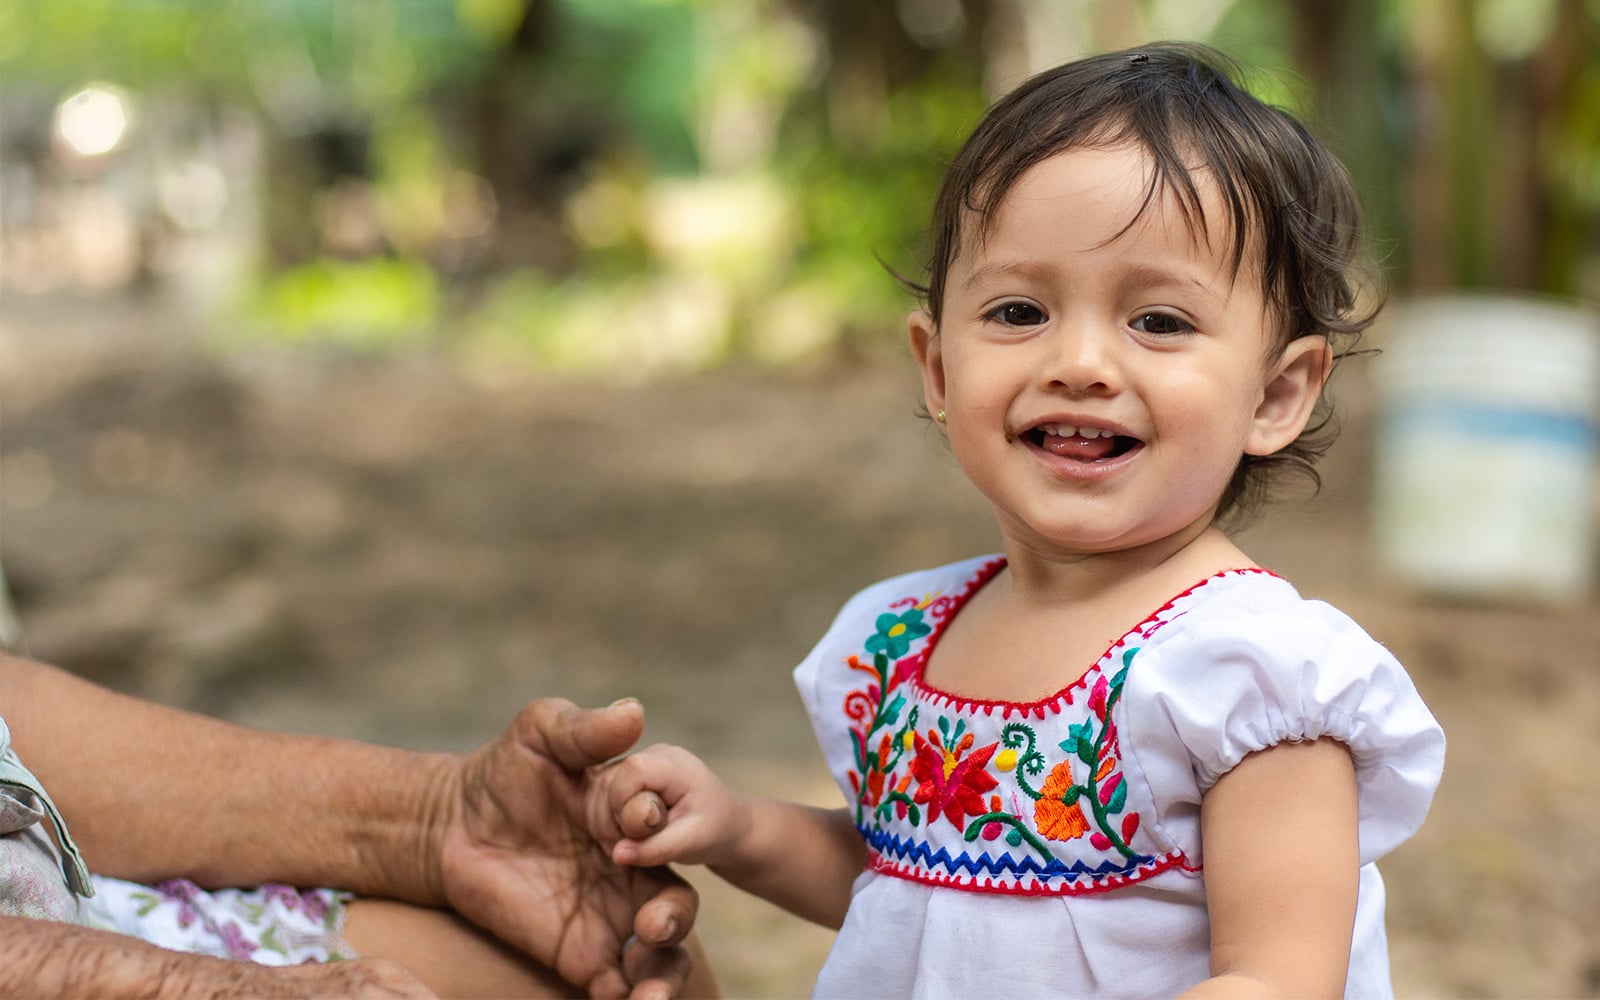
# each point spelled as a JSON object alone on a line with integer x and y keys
{"x": 988, "y": 571}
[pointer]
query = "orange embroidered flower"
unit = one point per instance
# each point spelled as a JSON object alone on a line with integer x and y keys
{"x": 1054, "y": 818}
{"x": 875, "y": 775}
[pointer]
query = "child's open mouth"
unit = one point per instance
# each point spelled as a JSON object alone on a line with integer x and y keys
{"x": 1082, "y": 444}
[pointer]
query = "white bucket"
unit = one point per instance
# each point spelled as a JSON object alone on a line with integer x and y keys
{"x": 1487, "y": 445}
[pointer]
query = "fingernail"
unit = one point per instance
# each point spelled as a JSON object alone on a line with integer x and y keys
{"x": 630, "y": 700}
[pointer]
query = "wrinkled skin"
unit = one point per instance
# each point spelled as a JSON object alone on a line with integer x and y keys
{"x": 514, "y": 856}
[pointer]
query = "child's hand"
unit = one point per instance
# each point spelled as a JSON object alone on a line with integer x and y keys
{"x": 663, "y": 804}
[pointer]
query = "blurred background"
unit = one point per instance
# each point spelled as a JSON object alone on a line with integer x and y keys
{"x": 370, "y": 367}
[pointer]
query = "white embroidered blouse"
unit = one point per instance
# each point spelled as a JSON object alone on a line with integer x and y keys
{"x": 1053, "y": 848}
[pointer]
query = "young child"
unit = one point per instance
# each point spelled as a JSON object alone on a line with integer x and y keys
{"x": 1120, "y": 759}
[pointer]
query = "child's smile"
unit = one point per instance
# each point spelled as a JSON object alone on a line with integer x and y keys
{"x": 1101, "y": 365}
{"x": 1085, "y": 443}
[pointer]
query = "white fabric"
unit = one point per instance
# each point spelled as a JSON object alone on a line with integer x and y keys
{"x": 269, "y": 925}
{"x": 1107, "y": 901}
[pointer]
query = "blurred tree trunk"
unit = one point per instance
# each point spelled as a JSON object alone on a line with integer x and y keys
{"x": 519, "y": 131}
{"x": 871, "y": 55}
{"x": 1488, "y": 207}
{"x": 495, "y": 103}
{"x": 1455, "y": 150}
{"x": 1564, "y": 138}
{"x": 1352, "y": 73}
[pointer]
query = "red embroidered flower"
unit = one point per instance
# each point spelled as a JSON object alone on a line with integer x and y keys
{"x": 948, "y": 783}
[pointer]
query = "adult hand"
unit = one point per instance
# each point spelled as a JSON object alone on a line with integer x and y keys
{"x": 514, "y": 856}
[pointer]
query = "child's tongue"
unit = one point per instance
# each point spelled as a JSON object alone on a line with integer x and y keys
{"x": 1080, "y": 448}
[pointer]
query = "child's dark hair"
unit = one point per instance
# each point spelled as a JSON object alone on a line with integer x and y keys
{"x": 1291, "y": 204}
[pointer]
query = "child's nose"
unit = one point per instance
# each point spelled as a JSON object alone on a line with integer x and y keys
{"x": 1081, "y": 359}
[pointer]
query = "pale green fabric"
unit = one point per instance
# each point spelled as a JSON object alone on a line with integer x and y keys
{"x": 24, "y": 847}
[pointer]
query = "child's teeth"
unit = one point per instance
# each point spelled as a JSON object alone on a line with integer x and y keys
{"x": 1067, "y": 430}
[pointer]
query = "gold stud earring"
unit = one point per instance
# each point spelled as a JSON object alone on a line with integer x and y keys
{"x": 939, "y": 416}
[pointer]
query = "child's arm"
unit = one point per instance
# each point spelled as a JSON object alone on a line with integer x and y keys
{"x": 1281, "y": 872}
{"x": 801, "y": 858}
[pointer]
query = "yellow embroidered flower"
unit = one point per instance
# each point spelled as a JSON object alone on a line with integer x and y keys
{"x": 1005, "y": 760}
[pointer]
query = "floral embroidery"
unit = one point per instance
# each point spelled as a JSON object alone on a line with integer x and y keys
{"x": 1055, "y": 819}
{"x": 876, "y": 713}
{"x": 1058, "y": 805}
{"x": 910, "y": 772}
{"x": 949, "y": 784}
{"x": 896, "y": 633}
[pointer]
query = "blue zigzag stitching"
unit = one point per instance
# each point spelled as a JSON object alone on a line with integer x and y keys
{"x": 918, "y": 852}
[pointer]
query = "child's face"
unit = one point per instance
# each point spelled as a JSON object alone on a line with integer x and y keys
{"x": 1100, "y": 382}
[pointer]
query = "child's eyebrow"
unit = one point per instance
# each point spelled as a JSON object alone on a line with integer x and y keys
{"x": 1032, "y": 270}
{"x": 1136, "y": 276}
{"x": 1142, "y": 275}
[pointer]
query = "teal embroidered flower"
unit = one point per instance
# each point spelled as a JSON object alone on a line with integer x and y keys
{"x": 896, "y": 633}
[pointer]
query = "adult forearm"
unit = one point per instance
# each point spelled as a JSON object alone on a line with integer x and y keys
{"x": 151, "y": 791}
{"x": 42, "y": 959}
{"x": 801, "y": 858}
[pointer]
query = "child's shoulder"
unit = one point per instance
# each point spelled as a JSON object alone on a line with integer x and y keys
{"x": 1252, "y": 663}
{"x": 1259, "y": 613}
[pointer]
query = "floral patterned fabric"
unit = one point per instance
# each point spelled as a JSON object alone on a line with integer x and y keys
{"x": 988, "y": 796}
{"x": 272, "y": 925}
{"x": 1075, "y": 820}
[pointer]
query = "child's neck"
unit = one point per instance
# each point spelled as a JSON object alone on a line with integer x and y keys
{"x": 1162, "y": 568}
{"x": 1038, "y": 626}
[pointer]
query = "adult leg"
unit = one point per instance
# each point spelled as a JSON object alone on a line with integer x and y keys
{"x": 457, "y": 959}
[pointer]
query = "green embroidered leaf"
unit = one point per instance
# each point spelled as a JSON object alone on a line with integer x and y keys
{"x": 914, "y": 814}
{"x": 1118, "y": 798}
{"x": 1127, "y": 658}
{"x": 891, "y": 714}
{"x": 1070, "y": 796}
{"x": 1086, "y": 751}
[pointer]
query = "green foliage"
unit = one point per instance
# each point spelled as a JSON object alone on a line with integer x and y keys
{"x": 713, "y": 178}
{"x": 367, "y": 304}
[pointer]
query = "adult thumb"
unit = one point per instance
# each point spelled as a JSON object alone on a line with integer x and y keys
{"x": 577, "y": 738}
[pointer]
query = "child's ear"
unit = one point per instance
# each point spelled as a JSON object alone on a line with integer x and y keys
{"x": 930, "y": 358}
{"x": 1291, "y": 391}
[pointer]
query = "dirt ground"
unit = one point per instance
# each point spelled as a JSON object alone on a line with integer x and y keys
{"x": 404, "y": 551}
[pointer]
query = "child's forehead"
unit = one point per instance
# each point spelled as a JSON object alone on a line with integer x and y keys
{"x": 1107, "y": 196}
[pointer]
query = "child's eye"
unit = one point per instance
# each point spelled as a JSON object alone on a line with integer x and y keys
{"x": 1162, "y": 324}
{"x": 1016, "y": 314}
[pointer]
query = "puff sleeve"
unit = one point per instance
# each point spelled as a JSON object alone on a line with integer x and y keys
{"x": 1260, "y": 667}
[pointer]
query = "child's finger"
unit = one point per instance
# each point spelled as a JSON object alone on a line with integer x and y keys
{"x": 642, "y": 815}
{"x": 651, "y": 770}
{"x": 682, "y": 840}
